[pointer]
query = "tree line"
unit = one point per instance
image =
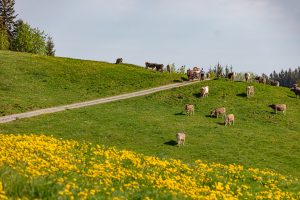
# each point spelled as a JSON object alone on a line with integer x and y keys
{"x": 287, "y": 78}
{"x": 17, "y": 35}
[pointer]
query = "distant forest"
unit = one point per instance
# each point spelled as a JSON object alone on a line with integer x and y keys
{"x": 287, "y": 78}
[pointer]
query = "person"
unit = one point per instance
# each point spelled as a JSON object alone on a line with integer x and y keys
{"x": 202, "y": 74}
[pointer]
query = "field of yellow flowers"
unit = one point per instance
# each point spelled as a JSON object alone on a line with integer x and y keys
{"x": 39, "y": 166}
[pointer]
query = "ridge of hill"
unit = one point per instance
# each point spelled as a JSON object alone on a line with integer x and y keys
{"x": 30, "y": 82}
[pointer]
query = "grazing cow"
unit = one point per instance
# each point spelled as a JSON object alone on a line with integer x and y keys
{"x": 250, "y": 91}
{"x": 247, "y": 77}
{"x": 119, "y": 61}
{"x": 229, "y": 119}
{"x": 278, "y": 107}
{"x": 189, "y": 109}
{"x": 261, "y": 79}
{"x": 274, "y": 83}
{"x": 180, "y": 138}
{"x": 218, "y": 111}
{"x": 159, "y": 67}
{"x": 296, "y": 90}
{"x": 204, "y": 92}
{"x": 150, "y": 65}
{"x": 231, "y": 76}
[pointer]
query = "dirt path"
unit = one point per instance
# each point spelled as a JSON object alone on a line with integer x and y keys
{"x": 13, "y": 117}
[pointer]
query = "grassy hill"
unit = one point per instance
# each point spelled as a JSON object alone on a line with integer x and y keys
{"x": 29, "y": 82}
{"x": 148, "y": 125}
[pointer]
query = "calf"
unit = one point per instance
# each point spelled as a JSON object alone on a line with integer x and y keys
{"x": 180, "y": 138}
{"x": 218, "y": 111}
{"x": 278, "y": 107}
{"x": 229, "y": 119}
{"x": 204, "y": 92}
{"x": 250, "y": 91}
{"x": 189, "y": 109}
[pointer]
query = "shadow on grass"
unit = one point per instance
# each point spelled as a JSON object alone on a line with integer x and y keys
{"x": 171, "y": 143}
{"x": 197, "y": 95}
{"x": 177, "y": 81}
{"x": 242, "y": 94}
{"x": 294, "y": 97}
{"x": 209, "y": 116}
{"x": 180, "y": 113}
{"x": 220, "y": 123}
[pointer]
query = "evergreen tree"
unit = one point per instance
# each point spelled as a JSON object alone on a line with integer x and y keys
{"x": 50, "y": 47}
{"x": 7, "y": 12}
{"x": 4, "y": 39}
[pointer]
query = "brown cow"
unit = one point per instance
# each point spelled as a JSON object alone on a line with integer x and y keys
{"x": 247, "y": 77}
{"x": 180, "y": 138}
{"x": 231, "y": 76}
{"x": 296, "y": 90}
{"x": 189, "y": 109}
{"x": 229, "y": 119}
{"x": 250, "y": 91}
{"x": 218, "y": 111}
{"x": 278, "y": 107}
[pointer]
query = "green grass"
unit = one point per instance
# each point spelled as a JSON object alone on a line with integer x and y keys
{"x": 148, "y": 125}
{"x": 29, "y": 81}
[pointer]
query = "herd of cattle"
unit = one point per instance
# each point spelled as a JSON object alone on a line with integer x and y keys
{"x": 221, "y": 111}
{"x": 198, "y": 74}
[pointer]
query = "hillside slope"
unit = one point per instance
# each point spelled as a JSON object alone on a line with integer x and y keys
{"x": 29, "y": 82}
{"x": 148, "y": 125}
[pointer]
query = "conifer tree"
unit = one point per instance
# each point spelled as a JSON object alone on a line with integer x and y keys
{"x": 7, "y": 12}
{"x": 50, "y": 51}
{"x": 4, "y": 40}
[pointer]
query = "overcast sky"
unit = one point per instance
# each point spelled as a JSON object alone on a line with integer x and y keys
{"x": 251, "y": 35}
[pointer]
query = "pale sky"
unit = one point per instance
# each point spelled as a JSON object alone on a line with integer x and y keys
{"x": 251, "y": 35}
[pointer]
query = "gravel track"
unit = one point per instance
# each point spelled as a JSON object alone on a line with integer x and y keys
{"x": 13, "y": 117}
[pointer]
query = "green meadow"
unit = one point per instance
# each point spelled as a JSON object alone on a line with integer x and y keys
{"x": 30, "y": 82}
{"x": 260, "y": 138}
{"x": 246, "y": 160}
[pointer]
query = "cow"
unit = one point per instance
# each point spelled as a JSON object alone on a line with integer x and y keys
{"x": 119, "y": 60}
{"x": 189, "y": 109}
{"x": 261, "y": 79}
{"x": 247, "y": 77}
{"x": 296, "y": 90}
{"x": 150, "y": 65}
{"x": 229, "y": 119}
{"x": 194, "y": 73}
{"x": 250, "y": 91}
{"x": 180, "y": 138}
{"x": 231, "y": 76}
{"x": 159, "y": 67}
{"x": 204, "y": 92}
{"x": 274, "y": 83}
{"x": 278, "y": 107}
{"x": 218, "y": 111}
